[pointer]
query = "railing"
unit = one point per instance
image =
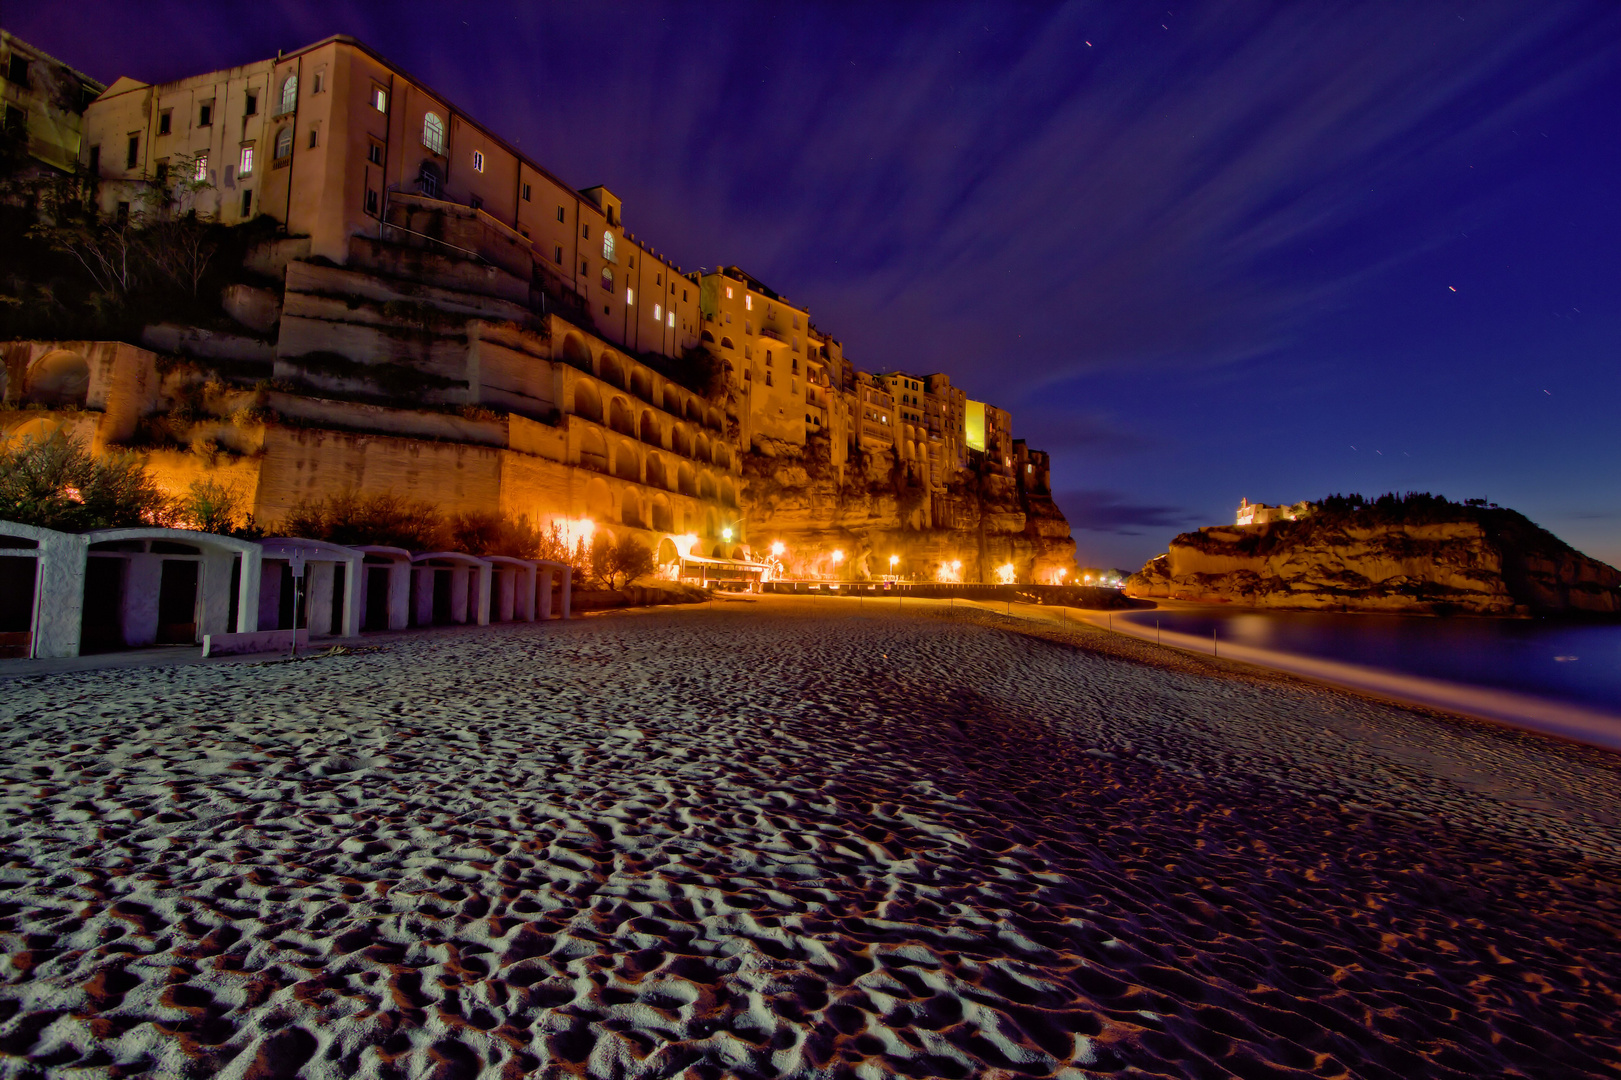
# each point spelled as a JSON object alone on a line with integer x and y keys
{"x": 772, "y": 334}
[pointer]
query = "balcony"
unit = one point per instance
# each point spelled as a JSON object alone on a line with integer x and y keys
{"x": 767, "y": 332}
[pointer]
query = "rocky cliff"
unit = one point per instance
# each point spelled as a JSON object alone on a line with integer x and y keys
{"x": 1450, "y": 559}
{"x": 867, "y": 510}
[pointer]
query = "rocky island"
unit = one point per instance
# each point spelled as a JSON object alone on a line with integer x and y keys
{"x": 1415, "y": 554}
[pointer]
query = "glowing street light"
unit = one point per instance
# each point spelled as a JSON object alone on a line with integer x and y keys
{"x": 956, "y": 564}
{"x": 893, "y": 559}
{"x": 777, "y": 548}
{"x": 726, "y": 533}
{"x": 838, "y": 557}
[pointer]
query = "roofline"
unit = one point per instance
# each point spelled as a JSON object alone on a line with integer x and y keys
{"x": 8, "y": 35}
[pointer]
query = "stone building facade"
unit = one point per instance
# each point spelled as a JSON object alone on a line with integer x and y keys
{"x": 42, "y": 103}
{"x": 442, "y": 317}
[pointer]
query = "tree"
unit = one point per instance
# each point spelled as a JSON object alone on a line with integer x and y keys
{"x": 621, "y": 562}
{"x": 484, "y": 532}
{"x": 56, "y": 483}
{"x": 213, "y": 507}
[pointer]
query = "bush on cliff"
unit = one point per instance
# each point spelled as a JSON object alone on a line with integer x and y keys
{"x": 56, "y": 483}
{"x": 387, "y": 519}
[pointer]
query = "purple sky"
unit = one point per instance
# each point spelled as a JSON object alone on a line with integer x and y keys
{"x": 1201, "y": 253}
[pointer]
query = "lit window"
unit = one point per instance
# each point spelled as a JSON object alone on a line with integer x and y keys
{"x": 630, "y": 295}
{"x": 748, "y": 303}
{"x": 379, "y": 99}
{"x": 433, "y": 133}
{"x": 728, "y": 292}
{"x": 289, "y": 95}
{"x": 201, "y": 172}
{"x": 478, "y": 161}
{"x": 607, "y": 245}
{"x": 658, "y": 312}
{"x": 246, "y": 168}
{"x": 671, "y": 318}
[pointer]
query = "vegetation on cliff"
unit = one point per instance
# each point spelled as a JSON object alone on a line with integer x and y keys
{"x": 1413, "y": 552}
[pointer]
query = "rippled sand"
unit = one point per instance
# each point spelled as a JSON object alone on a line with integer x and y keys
{"x": 788, "y": 838}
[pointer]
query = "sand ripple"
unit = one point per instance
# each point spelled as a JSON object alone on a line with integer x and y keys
{"x": 751, "y": 843}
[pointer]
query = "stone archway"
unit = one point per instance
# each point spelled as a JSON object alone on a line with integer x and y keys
{"x": 667, "y": 553}
{"x": 661, "y": 517}
{"x": 60, "y": 377}
{"x": 587, "y": 402}
{"x": 593, "y": 450}
{"x": 649, "y": 431}
{"x": 576, "y": 352}
{"x": 656, "y": 475}
{"x": 620, "y": 418}
{"x": 599, "y": 501}
{"x": 627, "y": 463}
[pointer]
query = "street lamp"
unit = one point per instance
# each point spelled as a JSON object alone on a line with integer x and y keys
{"x": 893, "y": 559}
{"x": 777, "y": 548}
{"x": 726, "y": 533}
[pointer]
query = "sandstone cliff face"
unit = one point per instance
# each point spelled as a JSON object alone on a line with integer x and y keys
{"x": 1490, "y": 562}
{"x": 870, "y": 513}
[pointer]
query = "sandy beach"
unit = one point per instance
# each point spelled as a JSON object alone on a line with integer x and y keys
{"x": 787, "y": 837}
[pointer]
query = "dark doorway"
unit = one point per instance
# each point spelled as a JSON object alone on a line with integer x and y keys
{"x": 177, "y": 602}
{"x": 441, "y": 597}
{"x": 17, "y": 577}
{"x": 292, "y": 589}
{"x": 340, "y": 585}
{"x": 376, "y": 598}
{"x": 102, "y": 628}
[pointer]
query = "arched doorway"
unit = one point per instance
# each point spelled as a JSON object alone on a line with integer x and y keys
{"x": 60, "y": 377}
{"x": 587, "y": 402}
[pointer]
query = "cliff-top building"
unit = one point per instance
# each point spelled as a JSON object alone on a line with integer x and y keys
{"x": 441, "y": 316}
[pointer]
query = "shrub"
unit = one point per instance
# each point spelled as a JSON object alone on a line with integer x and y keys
{"x": 213, "y": 507}
{"x": 56, "y": 483}
{"x": 486, "y": 533}
{"x": 349, "y": 518}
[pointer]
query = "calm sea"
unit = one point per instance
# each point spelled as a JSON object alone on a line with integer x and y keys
{"x": 1552, "y": 659}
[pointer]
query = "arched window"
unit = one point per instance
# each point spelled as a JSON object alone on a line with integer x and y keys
{"x": 433, "y": 133}
{"x": 607, "y": 279}
{"x": 284, "y": 142}
{"x": 607, "y": 245}
{"x": 289, "y": 95}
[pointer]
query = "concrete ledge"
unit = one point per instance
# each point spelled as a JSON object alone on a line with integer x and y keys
{"x": 261, "y": 641}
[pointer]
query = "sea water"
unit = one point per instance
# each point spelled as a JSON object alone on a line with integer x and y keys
{"x": 1558, "y": 660}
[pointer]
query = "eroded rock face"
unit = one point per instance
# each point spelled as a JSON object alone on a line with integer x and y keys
{"x": 1490, "y": 562}
{"x": 871, "y": 512}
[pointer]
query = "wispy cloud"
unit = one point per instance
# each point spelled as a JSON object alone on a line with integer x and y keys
{"x": 1108, "y": 511}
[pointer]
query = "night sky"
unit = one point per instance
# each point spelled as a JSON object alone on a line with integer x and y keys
{"x": 1201, "y": 252}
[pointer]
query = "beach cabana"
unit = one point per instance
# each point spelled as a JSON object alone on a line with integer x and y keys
{"x": 449, "y": 587}
{"x": 41, "y": 590}
{"x": 512, "y": 588}
{"x": 151, "y": 586}
{"x": 548, "y": 577}
{"x": 330, "y": 605}
{"x": 385, "y": 599}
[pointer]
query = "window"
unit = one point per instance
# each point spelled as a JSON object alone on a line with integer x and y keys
{"x": 252, "y": 106}
{"x": 134, "y": 154}
{"x": 433, "y": 133}
{"x": 205, "y": 113}
{"x": 560, "y": 213}
{"x": 17, "y": 70}
{"x": 658, "y": 312}
{"x": 315, "y": 138}
{"x": 371, "y": 202}
{"x": 728, "y": 292}
{"x": 526, "y": 193}
{"x": 748, "y": 302}
{"x": 658, "y": 279}
{"x": 478, "y": 161}
{"x": 585, "y": 268}
{"x": 122, "y": 214}
{"x": 15, "y": 122}
{"x": 768, "y": 358}
{"x": 247, "y": 203}
{"x": 607, "y": 279}
{"x": 289, "y": 95}
{"x": 428, "y": 181}
{"x": 585, "y": 230}
{"x": 768, "y": 378}
{"x": 607, "y": 245}
{"x": 319, "y": 81}
{"x": 476, "y": 202}
{"x": 165, "y": 121}
{"x": 374, "y": 153}
{"x": 524, "y": 231}
{"x": 379, "y": 99}
{"x": 671, "y": 318}
{"x": 95, "y": 161}
{"x": 683, "y": 295}
{"x": 200, "y": 174}
{"x": 630, "y": 295}
{"x": 162, "y": 174}
{"x": 557, "y": 253}
{"x": 284, "y": 143}
{"x": 246, "y": 168}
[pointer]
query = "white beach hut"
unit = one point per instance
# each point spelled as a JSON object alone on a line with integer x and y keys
{"x": 512, "y": 588}
{"x": 151, "y": 586}
{"x": 385, "y": 598}
{"x": 449, "y": 587}
{"x": 41, "y": 590}
{"x": 332, "y": 586}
